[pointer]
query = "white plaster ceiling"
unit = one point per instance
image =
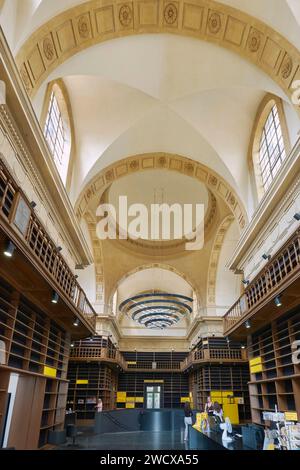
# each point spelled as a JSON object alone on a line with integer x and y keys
{"x": 153, "y": 279}
{"x": 162, "y": 93}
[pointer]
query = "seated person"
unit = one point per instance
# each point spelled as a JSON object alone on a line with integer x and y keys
{"x": 218, "y": 413}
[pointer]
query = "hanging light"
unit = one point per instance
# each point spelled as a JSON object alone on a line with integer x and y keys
{"x": 245, "y": 282}
{"x": 266, "y": 257}
{"x": 55, "y": 297}
{"x": 277, "y": 301}
{"x": 76, "y": 322}
{"x": 9, "y": 249}
{"x": 297, "y": 216}
{"x": 247, "y": 324}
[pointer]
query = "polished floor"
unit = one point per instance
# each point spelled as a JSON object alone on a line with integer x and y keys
{"x": 136, "y": 440}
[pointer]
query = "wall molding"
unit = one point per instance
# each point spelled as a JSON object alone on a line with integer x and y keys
{"x": 97, "y": 21}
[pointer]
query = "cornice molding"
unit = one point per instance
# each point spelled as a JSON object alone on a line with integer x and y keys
{"x": 96, "y": 21}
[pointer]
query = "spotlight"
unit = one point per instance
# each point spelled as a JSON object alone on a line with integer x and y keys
{"x": 247, "y": 324}
{"x": 266, "y": 257}
{"x": 227, "y": 339}
{"x": 9, "y": 249}
{"x": 297, "y": 216}
{"x": 58, "y": 248}
{"x": 55, "y": 297}
{"x": 91, "y": 339}
{"x": 277, "y": 301}
{"x": 243, "y": 346}
{"x": 76, "y": 322}
{"x": 33, "y": 204}
{"x": 72, "y": 345}
{"x": 246, "y": 282}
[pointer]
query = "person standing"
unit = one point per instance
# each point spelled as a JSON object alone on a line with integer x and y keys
{"x": 187, "y": 419}
{"x": 99, "y": 406}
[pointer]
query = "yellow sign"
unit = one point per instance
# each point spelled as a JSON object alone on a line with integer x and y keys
{"x": 129, "y": 405}
{"x": 184, "y": 399}
{"x": 291, "y": 416}
{"x": 50, "y": 371}
{"x": 121, "y": 397}
{"x": 82, "y": 382}
{"x": 256, "y": 365}
{"x": 201, "y": 422}
{"x": 131, "y": 399}
{"x": 154, "y": 381}
{"x": 131, "y": 363}
{"x": 139, "y": 399}
{"x": 256, "y": 369}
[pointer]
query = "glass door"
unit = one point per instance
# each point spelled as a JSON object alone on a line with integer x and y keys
{"x": 153, "y": 394}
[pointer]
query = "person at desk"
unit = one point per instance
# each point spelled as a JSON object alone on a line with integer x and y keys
{"x": 187, "y": 419}
{"x": 209, "y": 407}
{"x": 218, "y": 413}
{"x": 99, "y": 406}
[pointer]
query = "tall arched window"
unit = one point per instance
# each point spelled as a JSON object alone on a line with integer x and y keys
{"x": 269, "y": 144}
{"x": 57, "y": 127}
{"x": 54, "y": 130}
{"x": 271, "y": 150}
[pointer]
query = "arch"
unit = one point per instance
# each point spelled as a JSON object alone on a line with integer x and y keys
{"x": 262, "y": 114}
{"x": 214, "y": 259}
{"x": 162, "y": 161}
{"x": 159, "y": 266}
{"x": 97, "y": 21}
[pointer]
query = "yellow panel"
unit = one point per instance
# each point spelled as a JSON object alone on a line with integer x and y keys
{"x": 131, "y": 399}
{"x": 154, "y": 381}
{"x": 291, "y": 416}
{"x": 256, "y": 369}
{"x": 215, "y": 394}
{"x": 121, "y": 397}
{"x": 225, "y": 393}
{"x": 82, "y": 382}
{"x": 139, "y": 399}
{"x": 255, "y": 361}
{"x": 131, "y": 363}
{"x": 50, "y": 371}
{"x": 129, "y": 405}
{"x": 232, "y": 412}
{"x": 184, "y": 399}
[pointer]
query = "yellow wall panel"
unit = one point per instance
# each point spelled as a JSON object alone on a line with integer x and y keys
{"x": 129, "y": 405}
{"x": 232, "y": 412}
{"x": 50, "y": 371}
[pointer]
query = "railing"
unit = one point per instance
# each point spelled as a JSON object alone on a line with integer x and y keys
{"x": 278, "y": 273}
{"x": 97, "y": 354}
{"x": 157, "y": 365}
{"x": 16, "y": 210}
{"x": 214, "y": 355}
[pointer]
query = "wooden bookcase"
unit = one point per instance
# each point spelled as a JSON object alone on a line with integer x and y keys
{"x": 88, "y": 382}
{"x": 279, "y": 381}
{"x": 33, "y": 342}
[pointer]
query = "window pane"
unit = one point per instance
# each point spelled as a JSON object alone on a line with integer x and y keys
{"x": 272, "y": 151}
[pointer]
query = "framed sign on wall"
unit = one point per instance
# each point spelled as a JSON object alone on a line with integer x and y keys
{"x": 22, "y": 216}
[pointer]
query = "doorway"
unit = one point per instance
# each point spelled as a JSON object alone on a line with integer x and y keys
{"x": 153, "y": 397}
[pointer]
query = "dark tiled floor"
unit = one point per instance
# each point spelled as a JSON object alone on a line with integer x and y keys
{"x": 137, "y": 440}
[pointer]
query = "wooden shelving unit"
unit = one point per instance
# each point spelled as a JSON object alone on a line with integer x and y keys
{"x": 33, "y": 342}
{"x": 100, "y": 382}
{"x": 174, "y": 384}
{"x": 279, "y": 381}
{"x": 213, "y": 375}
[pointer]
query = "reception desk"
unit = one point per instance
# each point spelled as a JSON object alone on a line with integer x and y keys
{"x": 123, "y": 420}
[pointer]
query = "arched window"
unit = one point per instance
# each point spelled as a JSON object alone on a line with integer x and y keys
{"x": 54, "y": 130}
{"x": 271, "y": 149}
{"x": 269, "y": 144}
{"x": 57, "y": 127}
